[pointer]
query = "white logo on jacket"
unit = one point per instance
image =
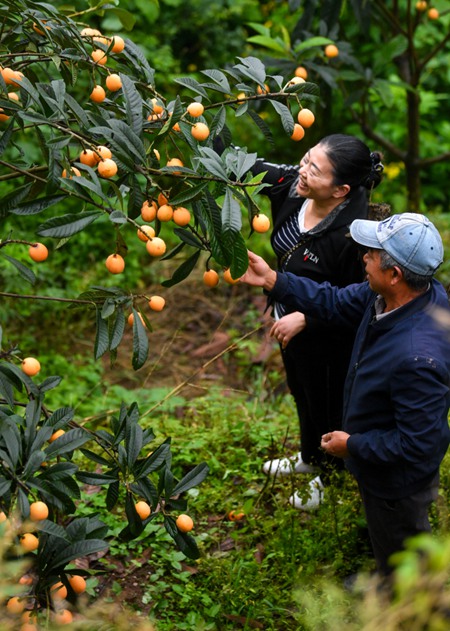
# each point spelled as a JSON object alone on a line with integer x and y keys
{"x": 308, "y": 255}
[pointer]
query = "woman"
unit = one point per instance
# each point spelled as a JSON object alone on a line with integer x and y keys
{"x": 312, "y": 207}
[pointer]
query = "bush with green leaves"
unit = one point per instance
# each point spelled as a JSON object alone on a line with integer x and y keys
{"x": 34, "y": 465}
{"x": 51, "y": 62}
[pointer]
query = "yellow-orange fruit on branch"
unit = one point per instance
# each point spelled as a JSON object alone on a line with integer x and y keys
{"x": 261, "y": 223}
{"x": 30, "y": 366}
{"x": 38, "y": 252}
{"x": 184, "y": 523}
{"x": 115, "y": 264}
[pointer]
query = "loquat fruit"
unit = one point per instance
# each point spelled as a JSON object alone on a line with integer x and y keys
{"x": 165, "y": 212}
{"x": 200, "y": 131}
{"x": 175, "y": 162}
{"x": 261, "y": 223}
{"x": 118, "y": 44}
{"x": 305, "y": 117}
{"x": 143, "y": 509}
{"x": 113, "y": 82}
{"x": 98, "y": 94}
{"x": 30, "y": 366}
{"x": 184, "y": 523}
{"x": 62, "y": 616}
{"x": 145, "y": 232}
{"x": 77, "y": 583}
{"x": 155, "y": 246}
{"x": 162, "y": 199}
{"x": 195, "y": 109}
{"x": 15, "y": 605}
{"x": 130, "y": 319}
{"x": 331, "y": 51}
{"x": 301, "y": 72}
{"x": 72, "y": 171}
{"x": 298, "y": 132}
{"x": 157, "y": 108}
{"x": 156, "y": 303}
{"x": 38, "y": 252}
{"x": 59, "y": 591}
{"x": 38, "y": 511}
{"x": 29, "y": 542}
{"x": 433, "y": 14}
{"x": 107, "y": 168}
{"x": 148, "y": 210}
{"x": 56, "y": 435}
{"x": 115, "y": 264}
{"x": 181, "y": 216}
{"x": 88, "y": 157}
{"x": 211, "y": 278}
{"x": 228, "y": 278}
{"x": 102, "y": 153}
{"x": 265, "y": 90}
{"x": 99, "y": 57}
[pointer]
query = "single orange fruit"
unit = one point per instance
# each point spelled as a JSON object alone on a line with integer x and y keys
{"x": 3, "y": 117}
{"x": 241, "y": 96}
{"x": 38, "y": 252}
{"x": 305, "y": 117}
{"x": 145, "y": 232}
{"x": 98, "y": 94}
{"x": 184, "y": 523}
{"x": 113, "y": 82}
{"x": 63, "y": 616}
{"x": 264, "y": 90}
{"x": 421, "y": 5}
{"x": 88, "y": 157}
{"x": 118, "y": 44}
{"x": 77, "y": 583}
{"x": 89, "y": 32}
{"x": 235, "y": 516}
{"x": 261, "y": 223}
{"x": 148, "y": 210}
{"x": 155, "y": 246}
{"x": 102, "y": 153}
{"x": 13, "y": 96}
{"x": 10, "y": 76}
{"x": 56, "y": 435}
{"x": 59, "y": 591}
{"x": 3, "y": 517}
{"x": 15, "y": 605}
{"x": 107, "y": 168}
{"x": 195, "y": 109}
{"x": 130, "y": 319}
{"x": 200, "y": 131}
{"x": 99, "y": 57}
{"x": 296, "y": 80}
{"x": 175, "y": 162}
{"x": 165, "y": 212}
{"x": 433, "y": 14}
{"x": 38, "y": 511}
{"x": 211, "y": 278}
{"x": 181, "y": 216}
{"x": 176, "y": 127}
{"x": 228, "y": 278}
{"x": 162, "y": 199}
{"x": 156, "y": 303}
{"x": 143, "y": 509}
{"x": 301, "y": 72}
{"x": 30, "y": 366}
{"x": 157, "y": 108}
{"x": 29, "y": 542}
{"x": 72, "y": 171}
{"x": 298, "y": 132}
{"x": 331, "y": 51}
{"x": 115, "y": 264}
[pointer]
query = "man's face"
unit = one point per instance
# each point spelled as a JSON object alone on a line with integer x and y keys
{"x": 379, "y": 280}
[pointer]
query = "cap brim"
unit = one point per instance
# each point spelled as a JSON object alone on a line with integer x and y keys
{"x": 364, "y": 232}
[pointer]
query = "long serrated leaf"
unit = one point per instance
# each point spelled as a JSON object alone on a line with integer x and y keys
{"x": 23, "y": 270}
{"x": 140, "y": 342}
{"x": 130, "y": 139}
{"x": 285, "y": 115}
{"x": 187, "y": 237}
{"x": 133, "y": 104}
{"x": 37, "y": 206}
{"x": 133, "y": 443}
{"x": 95, "y": 479}
{"x": 101, "y": 337}
{"x": 67, "y": 225}
{"x": 77, "y": 550}
{"x": 112, "y": 495}
{"x": 231, "y": 213}
{"x": 193, "y": 85}
{"x": 117, "y": 330}
{"x": 183, "y": 271}
{"x": 262, "y": 125}
{"x": 191, "y": 479}
{"x": 252, "y": 68}
{"x": 187, "y": 195}
{"x": 69, "y": 441}
{"x": 6, "y": 390}
{"x": 6, "y": 136}
{"x": 220, "y": 78}
{"x": 268, "y": 42}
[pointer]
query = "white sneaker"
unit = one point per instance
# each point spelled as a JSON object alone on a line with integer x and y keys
{"x": 316, "y": 491}
{"x": 287, "y": 466}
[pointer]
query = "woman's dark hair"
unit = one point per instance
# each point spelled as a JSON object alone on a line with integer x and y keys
{"x": 352, "y": 161}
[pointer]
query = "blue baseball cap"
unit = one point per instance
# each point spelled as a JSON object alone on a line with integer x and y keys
{"x": 410, "y": 238}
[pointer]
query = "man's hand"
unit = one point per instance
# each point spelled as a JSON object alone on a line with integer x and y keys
{"x": 335, "y": 444}
{"x": 286, "y": 327}
{"x": 258, "y": 273}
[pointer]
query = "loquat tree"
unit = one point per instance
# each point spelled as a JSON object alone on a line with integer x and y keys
{"x": 386, "y": 73}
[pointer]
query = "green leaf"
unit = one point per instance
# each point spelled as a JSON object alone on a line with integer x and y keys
{"x": 154, "y": 461}
{"x": 239, "y": 263}
{"x": 133, "y": 104}
{"x": 140, "y": 342}
{"x": 212, "y": 162}
{"x": 262, "y": 125}
{"x": 101, "y": 337}
{"x": 37, "y": 206}
{"x": 285, "y": 114}
{"x": 112, "y": 495}
{"x": 185, "y": 542}
{"x": 95, "y": 479}
{"x": 128, "y": 139}
{"x": 252, "y": 68}
{"x": 188, "y": 237}
{"x": 191, "y": 193}
{"x": 50, "y": 383}
{"x": 193, "y": 478}
{"x": 33, "y": 464}
{"x": 133, "y": 443}
{"x": 231, "y": 213}
{"x": 193, "y": 85}
{"x": 117, "y": 330}
{"x": 312, "y": 42}
{"x": 77, "y": 550}
{"x": 69, "y": 441}
{"x": 183, "y": 271}
{"x": 6, "y": 390}
{"x": 23, "y": 270}
{"x": 268, "y": 42}
{"x": 67, "y": 225}
{"x": 220, "y": 79}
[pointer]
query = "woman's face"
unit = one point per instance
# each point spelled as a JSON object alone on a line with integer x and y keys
{"x": 316, "y": 175}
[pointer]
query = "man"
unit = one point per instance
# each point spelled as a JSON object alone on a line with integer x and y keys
{"x": 396, "y": 399}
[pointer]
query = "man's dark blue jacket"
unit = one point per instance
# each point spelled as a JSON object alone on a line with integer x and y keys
{"x": 396, "y": 398}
